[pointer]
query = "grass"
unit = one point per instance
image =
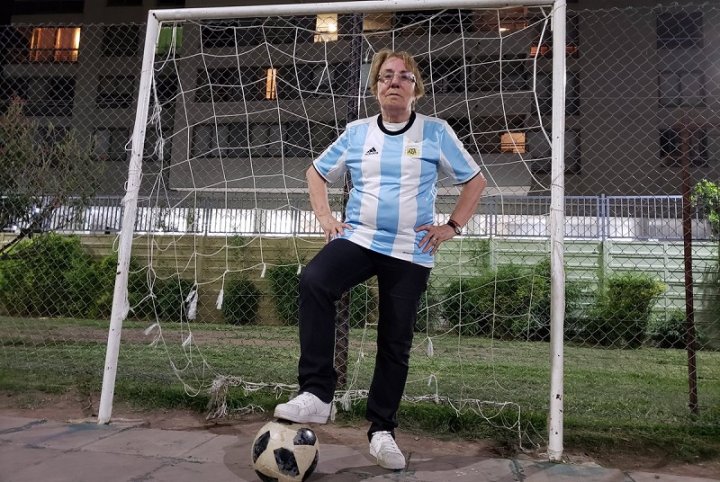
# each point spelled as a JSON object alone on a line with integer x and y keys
{"x": 614, "y": 399}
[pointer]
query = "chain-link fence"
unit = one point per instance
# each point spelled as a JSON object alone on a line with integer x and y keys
{"x": 238, "y": 110}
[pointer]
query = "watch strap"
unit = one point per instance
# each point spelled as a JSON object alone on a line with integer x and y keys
{"x": 456, "y": 227}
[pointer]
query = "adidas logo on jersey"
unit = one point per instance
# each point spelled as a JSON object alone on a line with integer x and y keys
{"x": 371, "y": 152}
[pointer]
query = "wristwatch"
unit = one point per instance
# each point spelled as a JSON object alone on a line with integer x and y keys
{"x": 456, "y": 227}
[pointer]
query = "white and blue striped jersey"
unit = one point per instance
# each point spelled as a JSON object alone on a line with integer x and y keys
{"x": 394, "y": 177}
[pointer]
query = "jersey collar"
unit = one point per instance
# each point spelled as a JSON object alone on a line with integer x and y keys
{"x": 401, "y": 131}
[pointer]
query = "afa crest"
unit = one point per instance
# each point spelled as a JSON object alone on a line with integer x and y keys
{"x": 413, "y": 150}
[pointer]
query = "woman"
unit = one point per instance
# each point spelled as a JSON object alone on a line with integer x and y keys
{"x": 394, "y": 160}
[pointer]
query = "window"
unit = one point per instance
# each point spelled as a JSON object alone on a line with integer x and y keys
{"x": 259, "y": 139}
{"x": 326, "y": 27}
{"x": 124, "y": 3}
{"x": 321, "y": 136}
{"x": 166, "y": 87}
{"x": 671, "y": 147}
{"x": 115, "y": 91}
{"x": 110, "y": 143}
{"x": 377, "y": 21}
{"x": 271, "y": 84}
{"x": 321, "y": 78}
{"x": 488, "y": 135}
{"x": 49, "y": 136}
{"x": 682, "y": 88}
{"x": 427, "y": 21}
{"x": 54, "y": 44}
{"x": 489, "y": 73}
{"x": 265, "y": 140}
{"x": 222, "y": 34}
{"x": 170, "y": 38}
{"x": 572, "y": 38}
{"x": 679, "y": 30}
{"x": 512, "y": 142}
{"x": 448, "y": 74}
{"x": 226, "y": 140}
{"x": 37, "y": 7}
{"x": 254, "y": 31}
{"x": 121, "y": 40}
{"x": 505, "y": 21}
{"x": 153, "y": 148}
{"x": 224, "y": 85}
{"x": 540, "y": 151}
{"x": 544, "y": 93}
{"x": 48, "y": 96}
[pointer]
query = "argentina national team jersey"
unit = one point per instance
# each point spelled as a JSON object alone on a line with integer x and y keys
{"x": 394, "y": 177}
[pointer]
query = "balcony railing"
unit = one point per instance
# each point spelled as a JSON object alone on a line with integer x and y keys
{"x": 586, "y": 217}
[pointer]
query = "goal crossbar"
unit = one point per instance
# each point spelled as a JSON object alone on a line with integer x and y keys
{"x": 370, "y": 6}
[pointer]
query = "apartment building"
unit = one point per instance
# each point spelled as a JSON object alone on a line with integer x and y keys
{"x": 643, "y": 91}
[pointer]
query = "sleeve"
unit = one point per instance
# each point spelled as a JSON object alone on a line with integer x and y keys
{"x": 331, "y": 163}
{"x": 455, "y": 161}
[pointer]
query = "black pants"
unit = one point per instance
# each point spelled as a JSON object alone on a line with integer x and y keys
{"x": 339, "y": 266}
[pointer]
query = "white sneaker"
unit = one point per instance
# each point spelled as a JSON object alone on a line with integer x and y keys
{"x": 386, "y": 451}
{"x": 305, "y": 408}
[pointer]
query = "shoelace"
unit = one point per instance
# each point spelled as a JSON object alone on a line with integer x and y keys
{"x": 304, "y": 400}
{"x": 387, "y": 442}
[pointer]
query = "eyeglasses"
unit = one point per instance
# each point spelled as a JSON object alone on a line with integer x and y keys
{"x": 405, "y": 77}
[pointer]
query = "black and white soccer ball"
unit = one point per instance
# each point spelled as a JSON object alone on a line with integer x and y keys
{"x": 284, "y": 452}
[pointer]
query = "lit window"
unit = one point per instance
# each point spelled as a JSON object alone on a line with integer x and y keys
{"x": 377, "y": 21}
{"x": 271, "y": 84}
{"x": 51, "y": 44}
{"x": 513, "y": 142}
{"x": 326, "y": 28}
{"x": 505, "y": 21}
{"x": 170, "y": 37}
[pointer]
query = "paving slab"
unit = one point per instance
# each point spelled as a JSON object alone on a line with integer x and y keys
{"x": 79, "y": 466}
{"x": 34, "y": 449}
{"x": 151, "y": 442}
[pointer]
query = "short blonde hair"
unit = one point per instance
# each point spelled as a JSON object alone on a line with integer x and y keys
{"x": 381, "y": 56}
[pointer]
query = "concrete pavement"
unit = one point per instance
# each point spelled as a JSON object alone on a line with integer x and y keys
{"x": 33, "y": 450}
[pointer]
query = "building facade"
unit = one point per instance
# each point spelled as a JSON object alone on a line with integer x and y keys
{"x": 642, "y": 91}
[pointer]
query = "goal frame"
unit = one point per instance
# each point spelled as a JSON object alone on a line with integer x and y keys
{"x": 120, "y": 305}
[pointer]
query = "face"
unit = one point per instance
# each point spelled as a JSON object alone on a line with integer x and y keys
{"x": 395, "y": 87}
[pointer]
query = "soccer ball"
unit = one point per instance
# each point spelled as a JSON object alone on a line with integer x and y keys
{"x": 284, "y": 452}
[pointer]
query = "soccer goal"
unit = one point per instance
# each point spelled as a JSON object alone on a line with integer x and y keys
{"x": 234, "y": 104}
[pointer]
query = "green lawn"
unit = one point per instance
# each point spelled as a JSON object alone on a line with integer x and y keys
{"x": 640, "y": 394}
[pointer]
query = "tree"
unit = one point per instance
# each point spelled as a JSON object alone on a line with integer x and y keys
{"x": 41, "y": 169}
{"x": 706, "y": 194}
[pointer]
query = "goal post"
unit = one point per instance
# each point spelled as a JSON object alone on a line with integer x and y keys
{"x": 156, "y": 18}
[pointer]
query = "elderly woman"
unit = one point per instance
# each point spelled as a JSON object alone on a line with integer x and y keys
{"x": 394, "y": 160}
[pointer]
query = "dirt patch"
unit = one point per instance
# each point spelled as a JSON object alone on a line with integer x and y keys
{"x": 71, "y": 406}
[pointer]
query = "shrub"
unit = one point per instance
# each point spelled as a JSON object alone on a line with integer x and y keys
{"x": 363, "y": 306}
{"x": 428, "y": 313}
{"x": 462, "y": 306}
{"x": 510, "y": 302}
{"x": 170, "y": 296}
{"x": 489, "y": 303}
{"x": 284, "y": 286}
{"x": 241, "y": 301}
{"x": 621, "y": 314}
{"x": 42, "y": 276}
{"x": 667, "y": 331}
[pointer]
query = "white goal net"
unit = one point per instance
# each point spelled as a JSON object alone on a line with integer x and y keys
{"x": 217, "y": 223}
